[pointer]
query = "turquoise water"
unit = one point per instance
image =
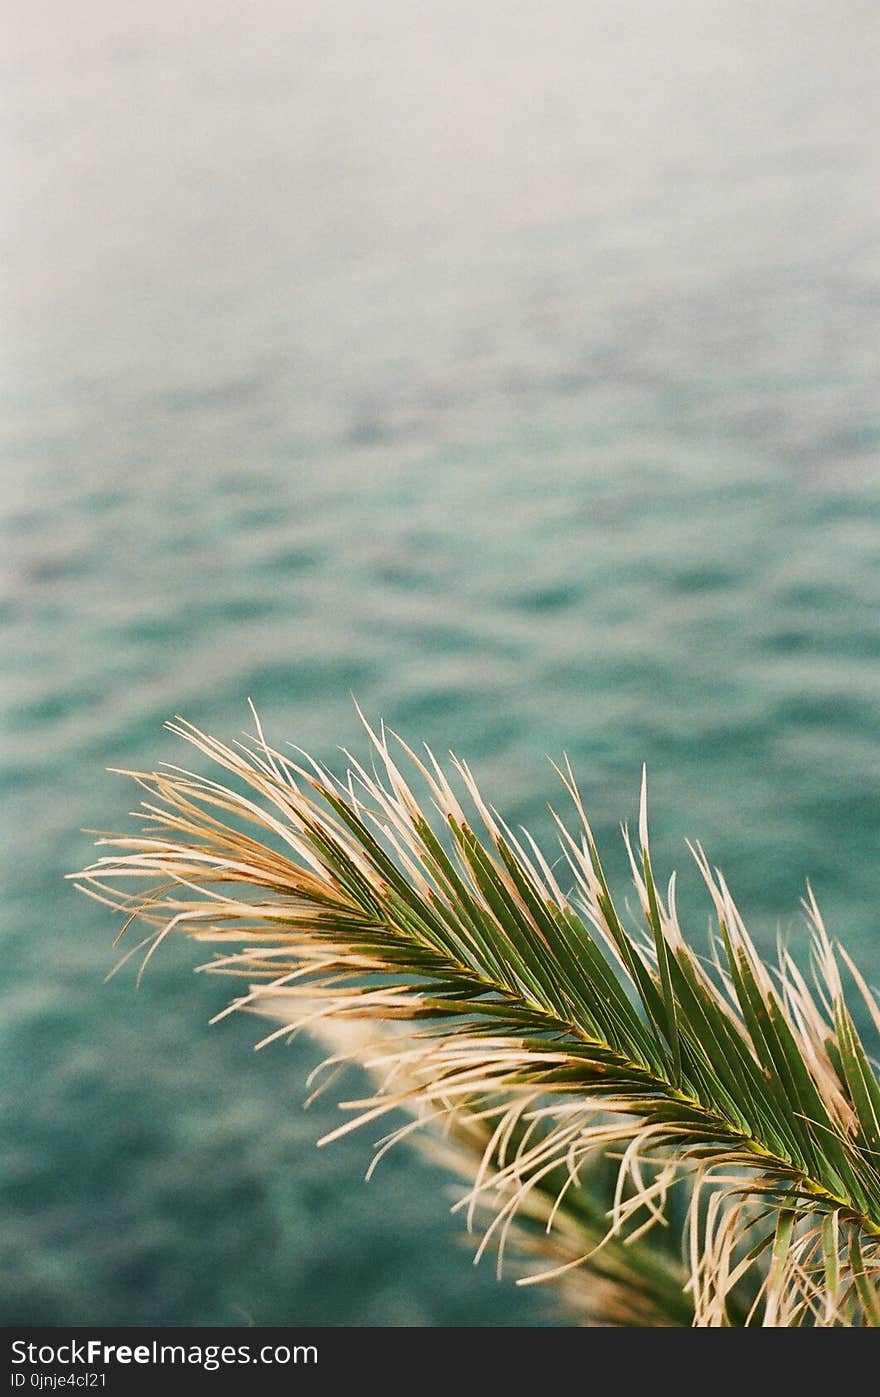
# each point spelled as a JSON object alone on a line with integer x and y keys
{"x": 512, "y": 368}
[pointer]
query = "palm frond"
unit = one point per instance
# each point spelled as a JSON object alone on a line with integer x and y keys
{"x": 532, "y": 1011}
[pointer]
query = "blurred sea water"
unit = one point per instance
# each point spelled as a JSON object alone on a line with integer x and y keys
{"x": 511, "y": 367}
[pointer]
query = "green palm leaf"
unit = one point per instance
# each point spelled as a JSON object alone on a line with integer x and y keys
{"x": 527, "y": 1018}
